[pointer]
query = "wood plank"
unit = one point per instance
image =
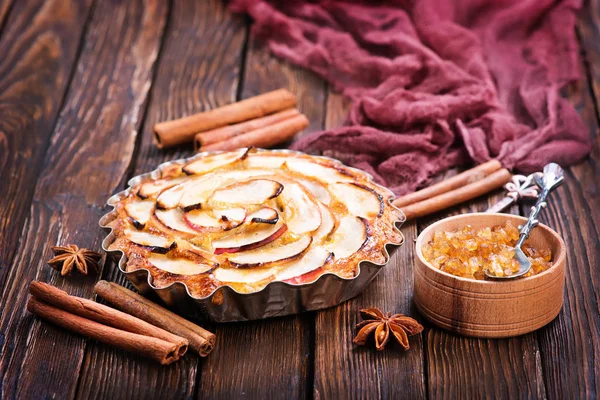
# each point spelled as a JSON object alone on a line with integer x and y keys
{"x": 343, "y": 370}
{"x": 588, "y": 29}
{"x": 38, "y": 46}
{"x": 4, "y": 10}
{"x": 87, "y": 158}
{"x": 462, "y": 367}
{"x": 271, "y": 358}
{"x": 571, "y": 344}
{"x": 198, "y": 69}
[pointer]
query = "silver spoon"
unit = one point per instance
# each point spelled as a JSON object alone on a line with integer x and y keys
{"x": 551, "y": 178}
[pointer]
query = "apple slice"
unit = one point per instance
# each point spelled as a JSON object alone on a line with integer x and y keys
{"x": 307, "y": 277}
{"x": 210, "y": 163}
{"x": 238, "y": 176}
{"x": 300, "y": 210}
{"x": 265, "y": 215}
{"x": 316, "y": 189}
{"x": 264, "y": 161}
{"x": 173, "y": 219}
{"x": 139, "y": 212}
{"x": 254, "y": 191}
{"x": 320, "y": 172}
{"x": 196, "y": 193}
{"x": 248, "y": 240}
{"x": 169, "y": 198}
{"x": 156, "y": 243}
{"x": 327, "y": 223}
{"x": 348, "y": 238}
{"x": 215, "y": 220}
{"x": 244, "y": 275}
{"x": 270, "y": 253}
{"x": 361, "y": 201}
{"x": 152, "y": 188}
{"x": 179, "y": 266}
{"x": 313, "y": 259}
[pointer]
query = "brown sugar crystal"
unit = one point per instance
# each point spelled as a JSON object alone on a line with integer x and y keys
{"x": 469, "y": 252}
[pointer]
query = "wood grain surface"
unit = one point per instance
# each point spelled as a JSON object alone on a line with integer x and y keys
{"x": 5, "y": 6}
{"x": 38, "y": 48}
{"x": 570, "y": 346}
{"x": 211, "y": 42}
{"x": 105, "y": 103}
{"x": 78, "y": 81}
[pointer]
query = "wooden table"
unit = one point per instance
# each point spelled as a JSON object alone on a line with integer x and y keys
{"x": 81, "y": 85}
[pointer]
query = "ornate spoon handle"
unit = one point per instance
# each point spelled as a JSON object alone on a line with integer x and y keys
{"x": 519, "y": 187}
{"x": 550, "y": 180}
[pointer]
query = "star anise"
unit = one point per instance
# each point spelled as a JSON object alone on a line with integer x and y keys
{"x": 70, "y": 256}
{"x": 400, "y": 326}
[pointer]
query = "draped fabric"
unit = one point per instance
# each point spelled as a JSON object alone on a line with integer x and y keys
{"x": 436, "y": 84}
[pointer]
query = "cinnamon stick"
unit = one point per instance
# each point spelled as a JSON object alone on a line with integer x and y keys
{"x": 462, "y": 179}
{"x": 103, "y": 314}
{"x": 200, "y": 340}
{"x": 457, "y": 196}
{"x": 182, "y": 130}
{"x": 221, "y": 134}
{"x": 263, "y": 137}
{"x": 157, "y": 349}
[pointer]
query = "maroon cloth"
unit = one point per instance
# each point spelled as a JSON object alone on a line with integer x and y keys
{"x": 434, "y": 84}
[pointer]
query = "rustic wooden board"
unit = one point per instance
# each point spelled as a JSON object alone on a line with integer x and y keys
{"x": 89, "y": 154}
{"x": 211, "y": 42}
{"x": 199, "y": 64}
{"x": 343, "y": 370}
{"x": 588, "y": 29}
{"x": 5, "y": 6}
{"x": 462, "y": 367}
{"x": 570, "y": 346}
{"x": 38, "y": 45}
{"x": 276, "y": 352}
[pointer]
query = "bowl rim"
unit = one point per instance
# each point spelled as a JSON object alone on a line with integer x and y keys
{"x": 560, "y": 259}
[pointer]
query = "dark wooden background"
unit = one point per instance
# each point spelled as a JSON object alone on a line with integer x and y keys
{"x": 81, "y": 84}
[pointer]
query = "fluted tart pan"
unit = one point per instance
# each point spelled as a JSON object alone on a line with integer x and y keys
{"x": 252, "y": 233}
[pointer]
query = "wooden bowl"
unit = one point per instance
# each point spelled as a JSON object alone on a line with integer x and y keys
{"x": 490, "y": 309}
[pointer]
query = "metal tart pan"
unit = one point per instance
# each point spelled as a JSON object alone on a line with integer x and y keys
{"x": 227, "y": 305}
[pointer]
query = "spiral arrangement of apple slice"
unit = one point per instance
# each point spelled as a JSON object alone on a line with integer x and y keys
{"x": 261, "y": 215}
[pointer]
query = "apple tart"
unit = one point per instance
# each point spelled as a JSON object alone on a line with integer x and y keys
{"x": 250, "y": 217}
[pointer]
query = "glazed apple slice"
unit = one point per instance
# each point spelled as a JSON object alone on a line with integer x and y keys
{"x": 244, "y": 275}
{"x": 152, "y": 188}
{"x": 361, "y": 201}
{"x": 173, "y": 219}
{"x": 348, "y": 238}
{"x": 156, "y": 243}
{"x": 307, "y": 277}
{"x": 179, "y": 266}
{"x": 300, "y": 210}
{"x": 196, "y": 193}
{"x": 215, "y": 220}
{"x": 316, "y": 189}
{"x": 320, "y": 172}
{"x": 210, "y": 163}
{"x": 314, "y": 259}
{"x": 169, "y": 198}
{"x": 270, "y": 253}
{"x": 248, "y": 240}
{"x": 254, "y": 191}
{"x": 139, "y": 212}
{"x": 263, "y": 161}
{"x": 265, "y": 215}
{"x": 327, "y": 224}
